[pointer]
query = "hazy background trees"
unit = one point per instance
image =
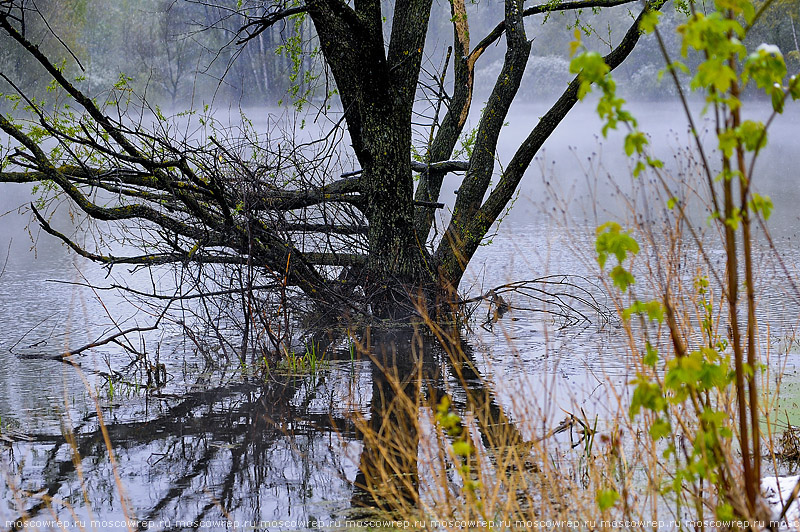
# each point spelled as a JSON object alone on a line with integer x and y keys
{"x": 177, "y": 52}
{"x": 183, "y": 52}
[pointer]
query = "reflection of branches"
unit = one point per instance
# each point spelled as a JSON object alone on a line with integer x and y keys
{"x": 389, "y": 470}
{"x": 561, "y": 296}
{"x": 494, "y": 422}
{"x": 5, "y": 262}
{"x": 229, "y": 425}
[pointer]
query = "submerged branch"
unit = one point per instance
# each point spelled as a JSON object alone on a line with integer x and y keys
{"x": 112, "y": 338}
{"x": 561, "y": 295}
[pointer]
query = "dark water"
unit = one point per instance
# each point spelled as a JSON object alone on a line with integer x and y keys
{"x": 221, "y": 447}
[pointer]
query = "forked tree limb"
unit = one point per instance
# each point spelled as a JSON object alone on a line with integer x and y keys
{"x": 467, "y": 228}
{"x": 254, "y": 28}
{"x": 498, "y": 30}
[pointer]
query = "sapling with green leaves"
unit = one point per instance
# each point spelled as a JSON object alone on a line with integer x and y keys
{"x": 697, "y": 393}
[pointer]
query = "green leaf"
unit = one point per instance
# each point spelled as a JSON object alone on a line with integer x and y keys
{"x": 794, "y": 87}
{"x": 669, "y": 451}
{"x": 660, "y": 429}
{"x": 725, "y": 512}
{"x": 714, "y": 73}
{"x": 611, "y": 240}
{"x": 649, "y": 21}
{"x": 761, "y": 205}
{"x": 574, "y": 45}
{"x": 651, "y": 356}
{"x": 646, "y": 395}
{"x": 714, "y": 417}
{"x": 752, "y": 134}
{"x": 635, "y": 142}
{"x": 606, "y": 499}
{"x": 734, "y": 219}
{"x": 727, "y": 141}
{"x": 765, "y": 66}
{"x": 472, "y": 485}
{"x": 462, "y": 448}
{"x": 592, "y": 69}
{"x": 621, "y": 277}
{"x": 654, "y": 310}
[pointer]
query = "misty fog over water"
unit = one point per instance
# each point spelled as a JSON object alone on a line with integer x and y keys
{"x": 200, "y": 434}
{"x": 578, "y": 181}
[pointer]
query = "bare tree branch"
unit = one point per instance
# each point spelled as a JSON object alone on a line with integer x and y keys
{"x": 255, "y": 27}
{"x": 498, "y": 30}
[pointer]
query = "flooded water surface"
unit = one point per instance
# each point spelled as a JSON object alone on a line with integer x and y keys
{"x": 202, "y": 440}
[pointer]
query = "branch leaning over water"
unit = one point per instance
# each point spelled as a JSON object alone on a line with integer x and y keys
{"x": 112, "y": 338}
{"x": 196, "y": 205}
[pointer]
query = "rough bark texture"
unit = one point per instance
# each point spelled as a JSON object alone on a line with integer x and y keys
{"x": 377, "y": 93}
{"x": 471, "y": 219}
{"x": 371, "y": 222}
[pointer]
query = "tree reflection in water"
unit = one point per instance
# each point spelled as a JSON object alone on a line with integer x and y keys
{"x": 300, "y": 448}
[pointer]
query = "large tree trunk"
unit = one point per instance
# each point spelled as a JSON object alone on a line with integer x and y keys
{"x": 215, "y": 208}
{"x": 377, "y": 88}
{"x": 396, "y": 261}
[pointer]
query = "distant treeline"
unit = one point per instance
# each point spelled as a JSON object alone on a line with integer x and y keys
{"x": 183, "y": 53}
